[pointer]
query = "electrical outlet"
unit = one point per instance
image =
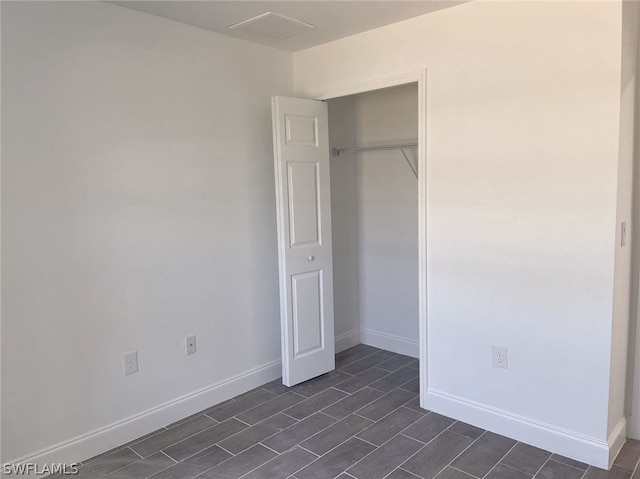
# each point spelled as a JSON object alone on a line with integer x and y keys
{"x": 131, "y": 362}
{"x": 190, "y": 344}
{"x": 499, "y": 357}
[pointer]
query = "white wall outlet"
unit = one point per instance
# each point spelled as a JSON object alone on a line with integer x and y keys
{"x": 131, "y": 362}
{"x": 499, "y": 357}
{"x": 190, "y": 344}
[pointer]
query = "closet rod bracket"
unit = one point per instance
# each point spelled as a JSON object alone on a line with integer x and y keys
{"x": 359, "y": 149}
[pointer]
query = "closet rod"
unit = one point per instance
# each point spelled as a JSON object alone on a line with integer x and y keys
{"x": 359, "y": 149}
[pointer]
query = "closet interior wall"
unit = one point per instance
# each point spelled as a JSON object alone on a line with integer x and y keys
{"x": 374, "y": 197}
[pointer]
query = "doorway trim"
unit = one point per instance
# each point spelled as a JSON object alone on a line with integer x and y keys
{"x": 420, "y": 78}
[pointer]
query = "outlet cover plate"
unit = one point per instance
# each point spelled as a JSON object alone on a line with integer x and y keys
{"x": 499, "y": 357}
{"x": 190, "y": 344}
{"x": 131, "y": 362}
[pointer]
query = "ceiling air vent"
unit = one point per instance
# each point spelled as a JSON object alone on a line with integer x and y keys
{"x": 273, "y": 26}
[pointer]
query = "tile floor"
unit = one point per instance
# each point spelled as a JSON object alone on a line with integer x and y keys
{"x": 360, "y": 421}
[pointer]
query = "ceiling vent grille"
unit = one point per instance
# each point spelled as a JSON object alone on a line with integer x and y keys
{"x": 273, "y": 26}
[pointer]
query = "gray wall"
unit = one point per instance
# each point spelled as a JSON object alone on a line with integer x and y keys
{"x": 137, "y": 208}
{"x": 344, "y": 223}
{"x": 523, "y": 115}
{"x": 388, "y": 216}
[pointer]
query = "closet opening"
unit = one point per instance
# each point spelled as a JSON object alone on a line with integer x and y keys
{"x": 373, "y": 138}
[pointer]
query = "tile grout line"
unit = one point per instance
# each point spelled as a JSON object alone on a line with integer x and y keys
{"x": 337, "y": 386}
{"x": 317, "y": 432}
{"x": 584, "y": 471}
{"x": 551, "y": 459}
{"x": 356, "y": 391}
{"x": 162, "y": 452}
{"x": 123, "y": 446}
{"x": 396, "y": 434}
{"x": 240, "y": 420}
{"x": 504, "y": 455}
{"x": 380, "y": 390}
{"x": 305, "y": 449}
{"x": 464, "y": 472}
{"x": 397, "y": 369}
{"x": 426, "y": 444}
{"x": 356, "y": 414}
{"x": 197, "y": 452}
{"x": 126, "y": 465}
{"x": 360, "y": 372}
{"x": 219, "y": 405}
{"x": 398, "y": 467}
{"x": 217, "y": 444}
{"x": 396, "y": 387}
{"x": 408, "y": 472}
{"x": 185, "y": 438}
{"x": 456, "y": 457}
{"x": 404, "y": 384}
{"x": 163, "y": 469}
{"x": 301, "y": 468}
{"x": 362, "y": 407}
{"x": 359, "y": 359}
{"x": 440, "y": 433}
{"x": 258, "y": 467}
{"x": 139, "y": 455}
{"x": 524, "y": 472}
{"x": 288, "y": 415}
{"x": 542, "y": 467}
{"x": 370, "y": 443}
{"x": 206, "y": 415}
{"x": 328, "y": 405}
{"x": 320, "y": 456}
{"x": 270, "y": 416}
{"x": 147, "y": 436}
{"x": 266, "y": 447}
{"x": 212, "y": 467}
{"x": 378, "y": 447}
{"x": 202, "y": 450}
{"x": 259, "y": 442}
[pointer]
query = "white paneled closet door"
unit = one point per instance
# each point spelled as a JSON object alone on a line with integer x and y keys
{"x": 301, "y": 153}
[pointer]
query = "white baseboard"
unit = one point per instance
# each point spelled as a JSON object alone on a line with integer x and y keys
{"x": 347, "y": 340}
{"x": 561, "y": 441}
{"x": 103, "y": 439}
{"x": 390, "y": 342}
{"x": 617, "y": 439}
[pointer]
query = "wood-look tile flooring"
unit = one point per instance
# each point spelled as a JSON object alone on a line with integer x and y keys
{"x": 360, "y": 421}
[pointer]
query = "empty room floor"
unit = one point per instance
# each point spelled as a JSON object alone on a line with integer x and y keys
{"x": 360, "y": 421}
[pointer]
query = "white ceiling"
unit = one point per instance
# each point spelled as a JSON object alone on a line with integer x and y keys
{"x": 332, "y": 19}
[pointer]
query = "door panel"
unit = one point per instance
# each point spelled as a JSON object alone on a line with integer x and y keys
{"x": 301, "y": 154}
{"x": 301, "y": 130}
{"x": 306, "y": 293}
{"x": 303, "y": 203}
